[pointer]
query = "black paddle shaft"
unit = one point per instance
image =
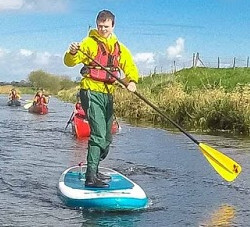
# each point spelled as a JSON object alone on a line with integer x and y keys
{"x": 68, "y": 122}
{"x": 144, "y": 99}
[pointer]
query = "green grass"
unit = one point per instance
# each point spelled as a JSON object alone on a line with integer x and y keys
{"x": 27, "y": 90}
{"x": 203, "y": 99}
{"x": 199, "y": 78}
{"x": 207, "y": 78}
{"x": 21, "y": 90}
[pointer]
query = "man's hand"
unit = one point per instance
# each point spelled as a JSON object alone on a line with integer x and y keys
{"x": 73, "y": 48}
{"x": 131, "y": 86}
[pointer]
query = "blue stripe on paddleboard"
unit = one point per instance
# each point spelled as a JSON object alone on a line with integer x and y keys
{"x": 76, "y": 180}
{"x": 114, "y": 203}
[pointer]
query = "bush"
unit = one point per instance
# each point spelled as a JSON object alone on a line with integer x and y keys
{"x": 52, "y": 83}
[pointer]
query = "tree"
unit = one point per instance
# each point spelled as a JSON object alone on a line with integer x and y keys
{"x": 52, "y": 83}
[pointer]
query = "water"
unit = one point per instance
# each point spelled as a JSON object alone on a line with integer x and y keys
{"x": 182, "y": 187}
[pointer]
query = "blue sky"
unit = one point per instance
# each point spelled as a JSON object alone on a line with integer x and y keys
{"x": 34, "y": 34}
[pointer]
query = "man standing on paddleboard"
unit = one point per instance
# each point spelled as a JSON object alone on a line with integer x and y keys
{"x": 100, "y": 46}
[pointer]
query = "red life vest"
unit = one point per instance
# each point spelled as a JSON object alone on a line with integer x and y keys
{"x": 109, "y": 60}
{"x": 13, "y": 96}
{"x": 40, "y": 99}
{"x": 79, "y": 112}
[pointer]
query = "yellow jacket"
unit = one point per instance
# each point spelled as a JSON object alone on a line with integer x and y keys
{"x": 90, "y": 46}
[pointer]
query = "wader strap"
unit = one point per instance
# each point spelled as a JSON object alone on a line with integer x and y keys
{"x": 106, "y": 86}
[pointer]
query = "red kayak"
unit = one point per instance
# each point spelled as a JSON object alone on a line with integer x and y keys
{"x": 39, "y": 109}
{"x": 80, "y": 125}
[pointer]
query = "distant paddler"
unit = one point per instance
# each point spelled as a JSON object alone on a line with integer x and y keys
{"x": 39, "y": 104}
{"x": 40, "y": 98}
{"x": 14, "y": 98}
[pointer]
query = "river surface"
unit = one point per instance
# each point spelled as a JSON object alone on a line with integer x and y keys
{"x": 183, "y": 188}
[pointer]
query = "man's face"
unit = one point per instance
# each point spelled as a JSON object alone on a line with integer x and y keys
{"x": 105, "y": 28}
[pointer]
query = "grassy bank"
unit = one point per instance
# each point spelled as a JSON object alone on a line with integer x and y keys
{"x": 5, "y": 89}
{"x": 201, "y": 99}
{"x": 21, "y": 90}
{"x": 68, "y": 95}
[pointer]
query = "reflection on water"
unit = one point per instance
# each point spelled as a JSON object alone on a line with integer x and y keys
{"x": 223, "y": 217}
{"x": 114, "y": 219}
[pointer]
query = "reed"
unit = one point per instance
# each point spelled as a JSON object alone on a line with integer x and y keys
{"x": 5, "y": 89}
{"x": 68, "y": 95}
{"x": 205, "y": 110}
{"x": 197, "y": 99}
{"x": 200, "y": 78}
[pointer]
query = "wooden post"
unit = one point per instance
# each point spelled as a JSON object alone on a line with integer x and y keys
{"x": 201, "y": 61}
{"x": 218, "y": 62}
{"x": 247, "y": 61}
{"x": 155, "y": 71}
{"x": 196, "y": 59}
{"x": 234, "y": 63}
{"x": 174, "y": 70}
{"x": 193, "y": 60}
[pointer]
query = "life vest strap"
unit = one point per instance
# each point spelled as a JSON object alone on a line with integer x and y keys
{"x": 112, "y": 69}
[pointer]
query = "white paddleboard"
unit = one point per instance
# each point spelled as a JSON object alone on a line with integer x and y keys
{"x": 122, "y": 193}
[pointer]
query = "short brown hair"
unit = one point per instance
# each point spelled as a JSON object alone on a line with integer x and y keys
{"x": 104, "y": 15}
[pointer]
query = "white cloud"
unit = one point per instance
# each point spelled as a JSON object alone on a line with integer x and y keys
{"x": 17, "y": 65}
{"x": 43, "y": 59}
{"x": 25, "y": 52}
{"x": 1, "y": 52}
{"x": 163, "y": 62}
{"x": 11, "y": 4}
{"x": 176, "y": 50}
{"x": 145, "y": 62}
{"x": 33, "y": 5}
{"x": 147, "y": 58}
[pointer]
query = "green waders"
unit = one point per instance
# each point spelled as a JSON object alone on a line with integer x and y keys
{"x": 99, "y": 109}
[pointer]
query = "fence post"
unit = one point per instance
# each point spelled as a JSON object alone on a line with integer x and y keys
{"x": 193, "y": 60}
{"x": 174, "y": 67}
{"x": 196, "y": 59}
{"x": 154, "y": 74}
{"x": 247, "y": 61}
{"x": 234, "y": 63}
{"x": 200, "y": 60}
{"x": 218, "y": 62}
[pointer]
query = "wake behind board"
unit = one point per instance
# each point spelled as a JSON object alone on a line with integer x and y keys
{"x": 122, "y": 193}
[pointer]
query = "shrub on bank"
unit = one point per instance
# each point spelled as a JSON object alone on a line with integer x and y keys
{"x": 200, "y": 99}
{"x": 68, "y": 95}
{"x": 5, "y": 89}
{"x": 206, "y": 110}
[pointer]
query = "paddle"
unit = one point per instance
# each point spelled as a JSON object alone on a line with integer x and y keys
{"x": 26, "y": 100}
{"x": 225, "y": 166}
{"x": 28, "y": 105}
{"x": 69, "y": 121}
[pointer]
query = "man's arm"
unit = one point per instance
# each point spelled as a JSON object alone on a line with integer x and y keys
{"x": 72, "y": 56}
{"x": 129, "y": 68}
